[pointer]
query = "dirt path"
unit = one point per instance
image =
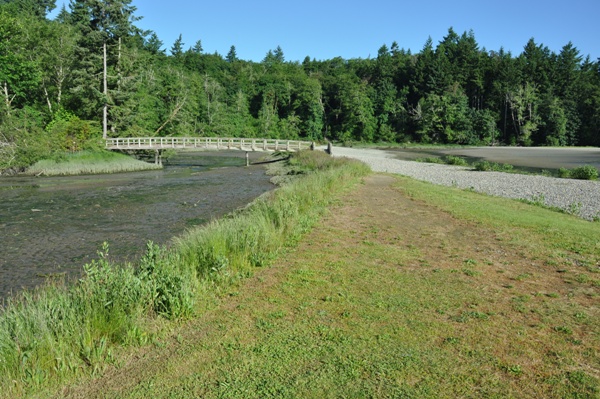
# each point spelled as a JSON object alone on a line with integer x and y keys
{"x": 404, "y": 237}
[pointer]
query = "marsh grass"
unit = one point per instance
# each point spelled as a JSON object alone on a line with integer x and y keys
{"x": 88, "y": 162}
{"x": 254, "y": 236}
{"x": 60, "y": 332}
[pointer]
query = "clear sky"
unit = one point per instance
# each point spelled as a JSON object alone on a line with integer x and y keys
{"x": 324, "y": 29}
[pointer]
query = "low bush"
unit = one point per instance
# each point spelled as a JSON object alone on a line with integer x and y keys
{"x": 586, "y": 172}
{"x": 430, "y": 160}
{"x": 454, "y": 160}
{"x": 486, "y": 166}
{"x": 564, "y": 173}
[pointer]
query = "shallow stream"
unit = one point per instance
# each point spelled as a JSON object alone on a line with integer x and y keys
{"x": 51, "y": 226}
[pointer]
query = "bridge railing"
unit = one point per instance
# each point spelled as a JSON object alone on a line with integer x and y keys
{"x": 214, "y": 143}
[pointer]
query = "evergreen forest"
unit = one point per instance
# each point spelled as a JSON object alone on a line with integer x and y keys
{"x": 90, "y": 72}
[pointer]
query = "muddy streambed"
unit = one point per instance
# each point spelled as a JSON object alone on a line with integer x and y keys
{"x": 50, "y": 227}
{"x": 532, "y": 159}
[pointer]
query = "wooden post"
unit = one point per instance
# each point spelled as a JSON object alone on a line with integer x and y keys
{"x": 158, "y": 157}
{"x": 329, "y": 148}
{"x": 247, "y": 159}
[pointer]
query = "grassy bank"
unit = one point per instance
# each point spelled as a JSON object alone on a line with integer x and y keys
{"x": 60, "y": 333}
{"x": 88, "y": 162}
{"x": 406, "y": 290}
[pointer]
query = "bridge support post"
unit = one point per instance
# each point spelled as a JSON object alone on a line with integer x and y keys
{"x": 158, "y": 157}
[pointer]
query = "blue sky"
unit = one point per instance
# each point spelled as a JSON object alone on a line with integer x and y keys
{"x": 351, "y": 29}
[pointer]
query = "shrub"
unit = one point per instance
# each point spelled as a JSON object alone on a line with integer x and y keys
{"x": 564, "y": 173}
{"x": 486, "y": 166}
{"x": 586, "y": 172}
{"x": 454, "y": 160}
{"x": 482, "y": 166}
{"x": 430, "y": 160}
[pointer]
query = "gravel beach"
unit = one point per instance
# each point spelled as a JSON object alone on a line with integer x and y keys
{"x": 580, "y": 197}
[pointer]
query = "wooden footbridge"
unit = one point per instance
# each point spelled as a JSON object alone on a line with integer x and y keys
{"x": 160, "y": 144}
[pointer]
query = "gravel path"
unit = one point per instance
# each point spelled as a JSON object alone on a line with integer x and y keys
{"x": 579, "y": 197}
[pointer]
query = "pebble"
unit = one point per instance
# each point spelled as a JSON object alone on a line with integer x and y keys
{"x": 577, "y": 197}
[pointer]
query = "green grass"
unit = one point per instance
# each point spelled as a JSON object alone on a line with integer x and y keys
{"x": 59, "y": 333}
{"x": 354, "y": 313}
{"x": 519, "y": 221}
{"x": 88, "y": 162}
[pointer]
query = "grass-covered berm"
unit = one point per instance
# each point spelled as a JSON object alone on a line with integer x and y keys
{"x": 88, "y": 162}
{"x": 64, "y": 333}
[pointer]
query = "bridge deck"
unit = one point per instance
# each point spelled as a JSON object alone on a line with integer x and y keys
{"x": 206, "y": 143}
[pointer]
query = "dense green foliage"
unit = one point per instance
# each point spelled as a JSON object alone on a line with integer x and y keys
{"x": 52, "y": 81}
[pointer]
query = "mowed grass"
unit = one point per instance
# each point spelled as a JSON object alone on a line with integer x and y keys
{"x": 406, "y": 290}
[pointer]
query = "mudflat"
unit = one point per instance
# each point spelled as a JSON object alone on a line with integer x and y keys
{"x": 528, "y": 157}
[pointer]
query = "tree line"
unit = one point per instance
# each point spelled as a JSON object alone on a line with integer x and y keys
{"x": 92, "y": 72}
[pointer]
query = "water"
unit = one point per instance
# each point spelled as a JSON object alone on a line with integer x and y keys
{"x": 530, "y": 159}
{"x": 50, "y": 227}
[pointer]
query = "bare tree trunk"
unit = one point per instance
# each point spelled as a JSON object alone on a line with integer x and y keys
{"x": 172, "y": 116}
{"x": 48, "y": 99}
{"x": 105, "y": 110}
{"x": 8, "y": 100}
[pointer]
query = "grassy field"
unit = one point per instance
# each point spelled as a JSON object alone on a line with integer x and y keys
{"x": 404, "y": 290}
{"x": 87, "y": 162}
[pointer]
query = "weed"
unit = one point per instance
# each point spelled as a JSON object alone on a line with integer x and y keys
{"x": 451, "y": 340}
{"x": 564, "y": 173}
{"x": 512, "y": 369}
{"x": 469, "y": 315}
{"x": 522, "y": 276}
{"x": 574, "y": 208}
{"x": 580, "y": 316}
{"x": 563, "y": 329}
{"x": 537, "y": 199}
{"x": 583, "y": 278}
{"x": 471, "y": 272}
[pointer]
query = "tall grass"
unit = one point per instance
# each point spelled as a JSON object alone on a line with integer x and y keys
{"x": 88, "y": 162}
{"x": 60, "y": 332}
